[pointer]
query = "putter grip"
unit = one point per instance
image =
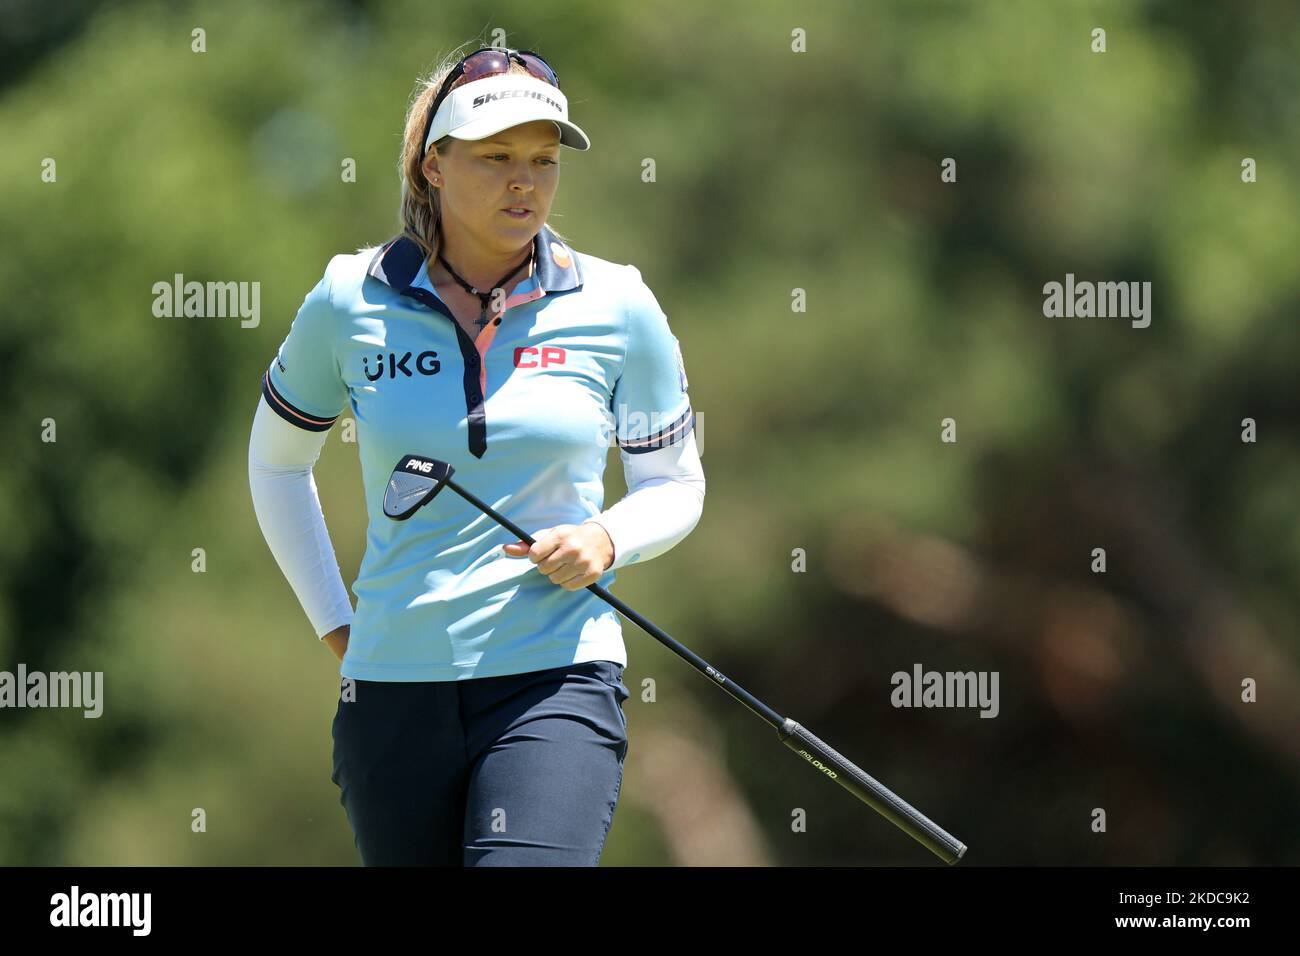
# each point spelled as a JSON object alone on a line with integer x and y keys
{"x": 872, "y": 792}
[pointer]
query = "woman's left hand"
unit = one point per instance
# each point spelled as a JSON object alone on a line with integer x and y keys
{"x": 571, "y": 555}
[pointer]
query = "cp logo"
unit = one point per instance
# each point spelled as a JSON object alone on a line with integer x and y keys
{"x": 547, "y": 355}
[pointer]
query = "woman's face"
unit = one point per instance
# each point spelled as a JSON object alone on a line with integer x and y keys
{"x": 480, "y": 179}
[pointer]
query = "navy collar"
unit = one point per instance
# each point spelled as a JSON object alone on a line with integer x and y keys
{"x": 398, "y": 263}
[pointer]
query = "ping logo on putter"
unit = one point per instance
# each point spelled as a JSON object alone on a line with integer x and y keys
{"x": 413, "y": 484}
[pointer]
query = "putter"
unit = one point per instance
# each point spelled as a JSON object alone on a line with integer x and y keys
{"x": 417, "y": 479}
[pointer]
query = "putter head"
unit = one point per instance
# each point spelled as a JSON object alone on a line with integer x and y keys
{"x": 413, "y": 484}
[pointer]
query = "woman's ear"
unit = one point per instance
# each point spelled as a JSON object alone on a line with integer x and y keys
{"x": 432, "y": 174}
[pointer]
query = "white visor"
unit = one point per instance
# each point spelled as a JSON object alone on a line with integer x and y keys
{"x": 483, "y": 107}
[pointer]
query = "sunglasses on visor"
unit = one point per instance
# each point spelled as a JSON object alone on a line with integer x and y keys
{"x": 489, "y": 61}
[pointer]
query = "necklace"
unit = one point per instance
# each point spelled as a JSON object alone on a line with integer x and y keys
{"x": 483, "y": 297}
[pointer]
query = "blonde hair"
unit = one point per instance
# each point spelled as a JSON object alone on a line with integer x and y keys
{"x": 421, "y": 206}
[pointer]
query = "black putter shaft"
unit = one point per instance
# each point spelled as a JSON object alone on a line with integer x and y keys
{"x": 802, "y": 741}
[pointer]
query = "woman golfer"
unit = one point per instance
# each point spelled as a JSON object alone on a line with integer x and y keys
{"x": 481, "y": 718}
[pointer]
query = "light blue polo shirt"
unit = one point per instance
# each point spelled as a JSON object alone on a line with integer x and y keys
{"x": 524, "y": 414}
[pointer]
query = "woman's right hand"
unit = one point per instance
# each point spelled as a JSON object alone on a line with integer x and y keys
{"x": 337, "y": 639}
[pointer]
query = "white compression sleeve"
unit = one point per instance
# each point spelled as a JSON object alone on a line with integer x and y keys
{"x": 664, "y": 500}
{"x": 280, "y": 460}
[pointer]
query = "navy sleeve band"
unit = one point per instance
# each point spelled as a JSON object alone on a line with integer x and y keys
{"x": 668, "y": 435}
{"x": 292, "y": 415}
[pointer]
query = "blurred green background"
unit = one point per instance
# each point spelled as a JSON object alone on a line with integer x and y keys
{"x": 776, "y": 171}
